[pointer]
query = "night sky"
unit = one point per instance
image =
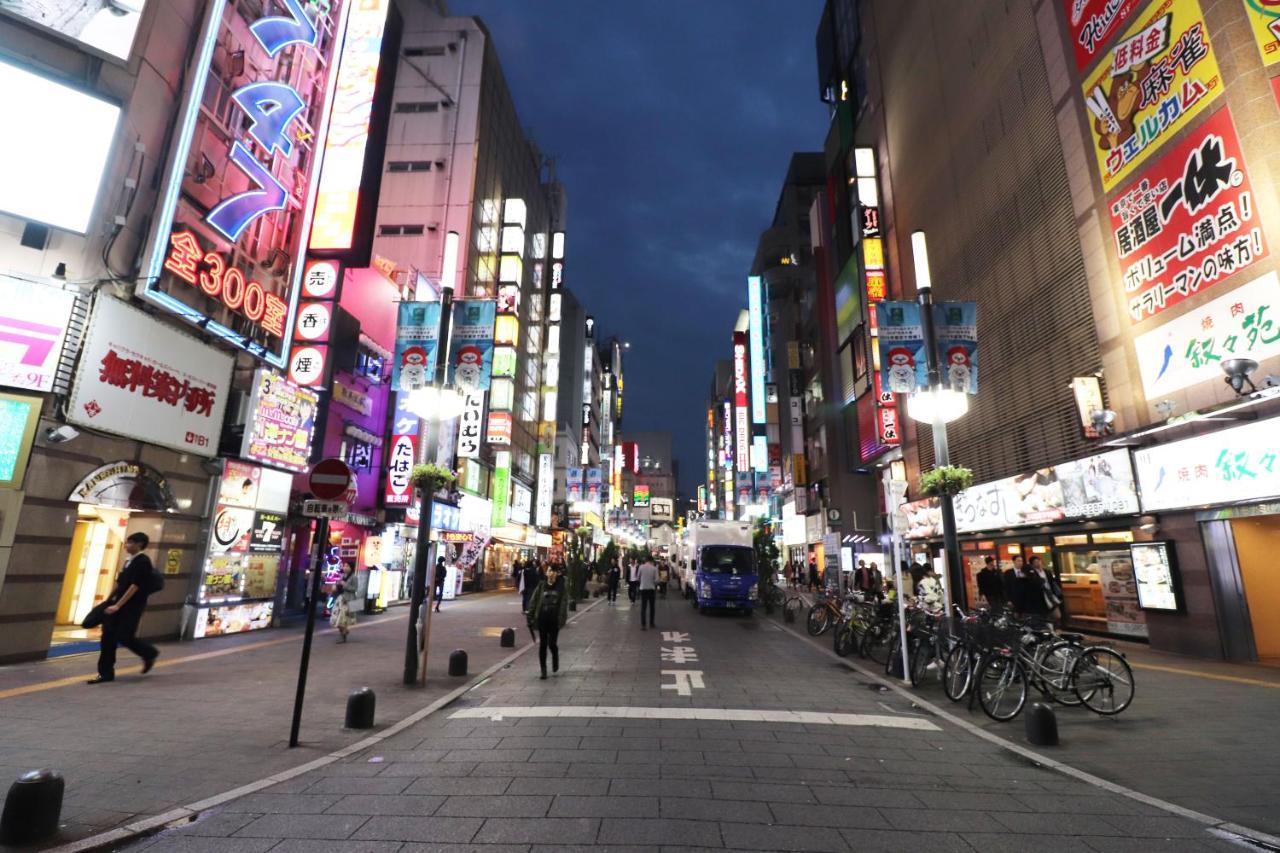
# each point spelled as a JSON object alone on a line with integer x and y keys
{"x": 671, "y": 123}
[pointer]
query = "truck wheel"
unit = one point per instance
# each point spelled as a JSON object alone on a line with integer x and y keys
{"x": 702, "y": 610}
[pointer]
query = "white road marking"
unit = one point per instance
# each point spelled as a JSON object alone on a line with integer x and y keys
{"x": 687, "y": 680}
{"x": 680, "y": 654}
{"x": 820, "y": 718}
{"x": 675, "y": 637}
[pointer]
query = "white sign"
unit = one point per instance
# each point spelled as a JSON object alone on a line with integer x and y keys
{"x": 471, "y": 425}
{"x": 143, "y": 379}
{"x": 1244, "y": 323}
{"x": 546, "y": 489}
{"x": 33, "y": 326}
{"x": 323, "y": 509}
{"x": 661, "y": 509}
{"x": 521, "y": 503}
{"x": 1228, "y": 466}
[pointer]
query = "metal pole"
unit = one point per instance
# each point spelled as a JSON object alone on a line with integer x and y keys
{"x": 941, "y": 450}
{"x": 322, "y": 538}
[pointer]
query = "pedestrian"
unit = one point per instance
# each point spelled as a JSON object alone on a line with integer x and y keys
{"x": 344, "y": 596}
{"x": 548, "y": 611}
{"x": 929, "y": 591}
{"x": 813, "y": 572}
{"x": 441, "y": 574}
{"x": 647, "y": 584}
{"x": 529, "y": 584}
{"x": 867, "y": 579}
{"x": 1041, "y": 591}
{"x": 615, "y": 577}
{"x": 664, "y": 575}
{"x": 1011, "y": 580}
{"x": 917, "y": 571}
{"x": 633, "y": 581}
{"x": 990, "y": 584}
{"x": 788, "y": 574}
{"x": 124, "y": 610}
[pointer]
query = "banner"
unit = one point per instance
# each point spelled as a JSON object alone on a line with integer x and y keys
{"x": 417, "y": 329}
{"x": 903, "y": 366}
{"x": 471, "y": 356}
{"x": 573, "y": 484}
{"x": 400, "y": 458}
{"x": 280, "y": 424}
{"x": 1230, "y": 465}
{"x": 955, "y": 327}
{"x": 595, "y": 484}
{"x": 1264, "y": 20}
{"x": 1158, "y": 77}
{"x": 1243, "y": 323}
{"x": 1189, "y": 222}
{"x": 471, "y": 425}
{"x": 1092, "y": 22}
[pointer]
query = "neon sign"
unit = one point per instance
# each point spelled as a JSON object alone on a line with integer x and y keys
{"x": 237, "y": 203}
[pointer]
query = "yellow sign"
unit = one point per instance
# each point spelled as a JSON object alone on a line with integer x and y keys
{"x": 1157, "y": 77}
{"x": 172, "y": 562}
{"x": 1264, "y": 19}
{"x": 873, "y": 253}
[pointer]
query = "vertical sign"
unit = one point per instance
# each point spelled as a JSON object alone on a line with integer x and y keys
{"x": 1092, "y": 22}
{"x": 742, "y": 429}
{"x": 471, "y": 425}
{"x": 755, "y": 310}
{"x": 471, "y": 344}
{"x": 900, "y": 339}
{"x": 501, "y": 487}
{"x": 546, "y": 485}
{"x": 417, "y": 329}
{"x": 956, "y": 325}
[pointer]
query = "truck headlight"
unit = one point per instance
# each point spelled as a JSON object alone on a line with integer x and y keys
{"x": 755, "y": 592}
{"x": 705, "y": 592}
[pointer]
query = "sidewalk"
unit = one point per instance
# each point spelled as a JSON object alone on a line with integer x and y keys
{"x": 215, "y": 714}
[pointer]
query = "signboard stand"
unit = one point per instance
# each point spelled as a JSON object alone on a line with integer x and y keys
{"x": 322, "y": 536}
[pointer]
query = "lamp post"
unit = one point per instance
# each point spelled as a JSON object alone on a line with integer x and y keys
{"x": 936, "y": 406}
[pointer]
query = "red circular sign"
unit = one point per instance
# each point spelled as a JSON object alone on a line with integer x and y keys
{"x": 330, "y": 479}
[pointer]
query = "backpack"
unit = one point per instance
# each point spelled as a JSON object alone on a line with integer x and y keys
{"x": 155, "y": 582}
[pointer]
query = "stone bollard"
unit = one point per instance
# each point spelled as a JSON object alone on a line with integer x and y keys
{"x": 360, "y": 705}
{"x": 32, "y": 808}
{"x": 788, "y": 614}
{"x": 1042, "y": 725}
{"x": 458, "y": 662}
{"x": 508, "y": 638}
{"x": 573, "y": 604}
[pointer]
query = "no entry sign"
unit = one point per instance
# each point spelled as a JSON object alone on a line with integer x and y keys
{"x": 330, "y": 479}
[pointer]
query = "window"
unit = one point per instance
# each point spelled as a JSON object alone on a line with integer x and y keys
{"x": 399, "y": 230}
{"x": 417, "y": 106}
{"x": 433, "y": 50}
{"x": 409, "y": 166}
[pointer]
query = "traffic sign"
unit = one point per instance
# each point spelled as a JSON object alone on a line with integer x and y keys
{"x": 331, "y": 479}
{"x": 324, "y": 509}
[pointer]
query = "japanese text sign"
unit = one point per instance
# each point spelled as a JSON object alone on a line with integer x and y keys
{"x": 140, "y": 378}
{"x": 404, "y": 450}
{"x": 1189, "y": 222}
{"x": 900, "y": 338}
{"x": 1244, "y": 323}
{"x": 471, "y": 348}
{"x": 1158, "y": 77}
{"x": 471, "y": 425}
{"x": 1092, "y": 22}
{"x": 417, "y": 329}
{"x": 236, "y": 207}
{"x": 1264, "y": 19}
{"x": 33, "y": 326}
{"x": 281, "y": 422}
{"x": 956, "y": 329}
{"x": 1237, "y": 464}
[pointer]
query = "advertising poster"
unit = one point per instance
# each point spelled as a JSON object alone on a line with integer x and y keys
{"x": 235, "y": 206}
{"x": 1120, "y": 592}
{"x": 223, "y": 577}
{"x": 268, "y": 532}
{"x": 521, "y": 510}
{"x": 106, "y": 28}
{"x": 903, "y": 365}
{"x": 1153, "y": 568}
{"x": 471, "y": 349}
{"x": 281, "y": 423}
{"x": 234, "y": 619}
{"x": 142, "y": 379}
{"x": 640, "y": 498}
{"x": 33, "y": 327}
{"x": 1092, "y": 22}
{"x": 1236, "y": 464}
{"x": 1156, "y": 78}
{"x": 1264, "y": 19}
{"x": 1189, "y": 222}
{"x": 595, "y": 484}
{"x": 232, "y": 527}
{"x": 573, "y": 484}
{"x": 498, "y": 427}
{"x": 19, "y": 416}
{"x": 417, "y": 328}
{"x": 955, "y": 326}
{"x": 240, "y": 484}
{"x": 1242, "y": 323}
{"x": 260, "y": 575}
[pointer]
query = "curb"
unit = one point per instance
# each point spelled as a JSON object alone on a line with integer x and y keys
{"x": 109, "y": 840}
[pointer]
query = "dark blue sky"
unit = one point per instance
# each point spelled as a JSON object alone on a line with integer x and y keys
{"x": 672, "y": 123}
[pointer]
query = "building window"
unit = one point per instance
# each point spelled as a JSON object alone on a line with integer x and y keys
{"x": 433, "y": 50}
{"x": 399, "y": 230}
{"x": 418, "y": 106}
{"x": 409, "y": 166}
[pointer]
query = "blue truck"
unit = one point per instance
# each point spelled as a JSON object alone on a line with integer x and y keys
{"x": 720, "y": 570}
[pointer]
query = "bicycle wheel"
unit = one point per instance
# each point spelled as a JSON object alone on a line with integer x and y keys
{"x": 1002, "y": 687}
{"x": 921, "y": 657}
{"x": 957, "y": 673}
{"x": 1056, "y": 665}
{"x": 793, "y": 606}
{"x": 845, "y": 639}
{"x": 877, "y": 643}
{"x": 1103, "y": 681}
{"x": 819, "y": 620}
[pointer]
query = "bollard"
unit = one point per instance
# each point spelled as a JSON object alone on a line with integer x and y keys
{"x": 1042, "y": 725}
{"x": 360, "y": 706}
{"x": 508, "y": 638}
{"x": 788, "y": 614}
{"x": 32, "y": 808}
{"x": 458, "y": 662}
{"x": 573, "y": 604}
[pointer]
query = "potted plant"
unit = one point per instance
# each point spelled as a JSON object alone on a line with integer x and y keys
{"x": 429, "y": 478}
{"x": 946, "y": 480}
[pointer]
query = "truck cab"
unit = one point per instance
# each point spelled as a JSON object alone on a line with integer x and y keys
{"x": 722, "y": 567}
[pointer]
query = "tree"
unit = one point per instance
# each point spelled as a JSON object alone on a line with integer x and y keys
{"x": 767, "y": 556}
{"x": 576, "y": 559}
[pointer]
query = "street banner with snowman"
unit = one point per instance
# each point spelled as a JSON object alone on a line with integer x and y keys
{"x": 955, "y": 326}
{"x": 417, "y": 330}
{"x": 471, "y": 356}
{"x": 900, "y": 339}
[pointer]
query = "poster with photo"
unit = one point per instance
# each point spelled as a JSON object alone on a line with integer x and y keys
{"x": 234, "y": 619}
{"x": 239, "y": 486}
{"x": 260, "y": 573}
{"x": 232, "y": 527}
{"x": 223, "y": 577}
{"x": 1120, "y": 592}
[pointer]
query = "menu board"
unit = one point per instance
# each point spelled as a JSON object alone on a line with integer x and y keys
{"x": 1157, "y": 582}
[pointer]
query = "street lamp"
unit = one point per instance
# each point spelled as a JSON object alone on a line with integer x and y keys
{"x": 936, "y": 406}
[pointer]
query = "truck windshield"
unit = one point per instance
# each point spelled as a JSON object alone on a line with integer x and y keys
{"x": 727, "y": 560}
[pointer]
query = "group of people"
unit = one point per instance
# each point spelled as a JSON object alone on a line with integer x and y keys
{"x": 1027, "y": 587}
{"x": 798, "y": 575}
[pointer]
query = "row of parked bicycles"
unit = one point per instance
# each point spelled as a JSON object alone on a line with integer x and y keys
{"x": 993, "y": 659}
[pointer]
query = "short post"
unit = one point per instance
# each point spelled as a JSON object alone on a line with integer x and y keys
{"x": 1042, "y": 725}
{"x": 32, "y": 807}
{"x": 360, "y": 707}
{"x": 458, "y": 662}
{"x": 508, "y": 640}
{"x": 573, "y": 604}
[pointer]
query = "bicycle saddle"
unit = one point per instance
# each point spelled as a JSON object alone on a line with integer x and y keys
{"x": 1073, "y": 638}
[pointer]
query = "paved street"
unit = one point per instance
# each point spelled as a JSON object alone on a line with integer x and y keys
{"x": 716, "y": 732}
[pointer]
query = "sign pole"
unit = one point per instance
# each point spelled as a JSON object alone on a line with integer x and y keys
{"x": 322, "y": 537}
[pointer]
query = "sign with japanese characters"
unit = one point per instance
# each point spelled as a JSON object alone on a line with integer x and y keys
{"x": 573, "y": 484}
{"x": 268, "y": 531}
{"x": 404, "y": 449}
{"x": 33, "y": 326}
{"x": 1157, "y": 77}
{"x": 417, "y": 329}
{"x": 1227, "y": 466}
{"x": 956, "y": 329}
{"x": 471, "y": 425}
{"x": 471, "y": 347}
{"x": 1264, "y": 18}
{"x": 281, "y": 423}
{"x": 1244, "y": 323}
{"x": 1092, "y": 22}
{"x": 900, "y": 338}
{"x": 143, "y": 379}
{"x": 236, "y": 203}
{"x": 1189, "y": 222}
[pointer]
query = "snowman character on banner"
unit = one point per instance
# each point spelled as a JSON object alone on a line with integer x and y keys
{"x": 413, "y": 369}
{"x": 902, "y": 371}
{"x": 959, "y": 369}
{"x": 468, "y": 370}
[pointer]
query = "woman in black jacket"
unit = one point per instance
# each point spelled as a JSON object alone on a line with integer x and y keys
{"x": 548, "y": 611}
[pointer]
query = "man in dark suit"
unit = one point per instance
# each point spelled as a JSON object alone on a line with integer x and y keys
{"x": 991, "y": 584}
{"x": 127, "y": 601}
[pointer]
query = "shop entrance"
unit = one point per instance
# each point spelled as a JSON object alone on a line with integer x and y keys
{"x": 1257, "y": 543}
{"x": 97, "y": 552}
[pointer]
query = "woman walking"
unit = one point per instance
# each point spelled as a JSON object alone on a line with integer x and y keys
{"x": 548, "y": 611}
{"x": 344, "y": 593}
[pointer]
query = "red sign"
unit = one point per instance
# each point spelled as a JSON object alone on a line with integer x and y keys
{"x": 740, "y": 370}
{"x": 1092, "y": 22}
{"x": 1188, "y": 222}
{"x": 210, "y": 273}
{"x": 404, "y": 449}
{"x": 330, "y": 479}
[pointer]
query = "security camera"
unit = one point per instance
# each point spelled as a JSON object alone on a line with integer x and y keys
{"x": 1238, "y": 371}
{"x": 1271, "y": 381}
{"x": 1102, "y": 420}
{"x": 61, "y": 435}
{"x": 1165, "y": 408}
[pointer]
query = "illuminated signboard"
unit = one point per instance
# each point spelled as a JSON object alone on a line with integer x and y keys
{"x": 876, "y": 287}
{"x": 499, "y": 428}
{"x": 33, "y": 326}
{"x": 106, "y": 28}
{"x": 755, "y": 309}
{"x": 500, "y": 487}
{"x": 339, "y": 188}
{"x": 281, "y": 422}
{"x": 226, "y": 251}
{"x": 640, "y": 498}
{"x": 742, "y": 429}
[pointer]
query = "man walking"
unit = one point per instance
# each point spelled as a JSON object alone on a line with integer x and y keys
{"x": 441, "y": 572}
{"x": 121, "y": 617}
{"x": 633, "y": 580}
{"x": 647, "y": 582}
{"x": 530, "y": 582}
{"x": 615, "y": 576}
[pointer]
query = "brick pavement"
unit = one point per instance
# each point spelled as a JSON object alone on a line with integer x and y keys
{"x": 566, "y": 784}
